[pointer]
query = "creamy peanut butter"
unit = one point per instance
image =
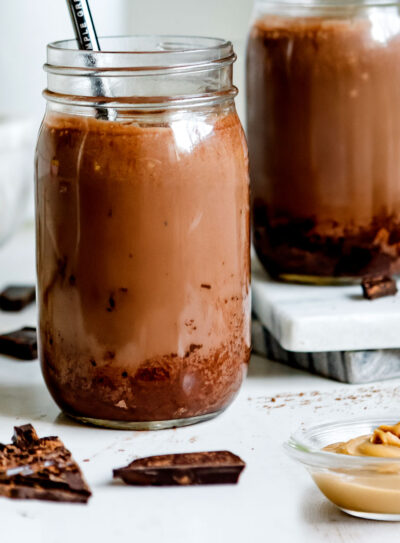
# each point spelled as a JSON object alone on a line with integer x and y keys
{"x": 384, "y": 442}
{"x": 369, "y": 489}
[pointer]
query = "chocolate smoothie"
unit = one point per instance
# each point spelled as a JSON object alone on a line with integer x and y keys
{"x": 324, "y": 141}
{"x": 143, "y": 264}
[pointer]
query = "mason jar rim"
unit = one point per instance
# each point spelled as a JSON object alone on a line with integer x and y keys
{"x": 334, "y": 4}
{"x": 219, "y": 42}
{"x": 141, "y": 53}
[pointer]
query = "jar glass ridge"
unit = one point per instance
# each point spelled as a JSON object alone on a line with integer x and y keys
{"x": 145, "y": 72}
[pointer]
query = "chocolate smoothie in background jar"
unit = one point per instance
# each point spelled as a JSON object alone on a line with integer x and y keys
{"x": 323, "y": 119}
{"x": 143, "y": 232}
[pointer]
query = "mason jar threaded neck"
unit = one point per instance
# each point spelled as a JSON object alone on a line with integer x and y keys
{"x": 141, "y": 71}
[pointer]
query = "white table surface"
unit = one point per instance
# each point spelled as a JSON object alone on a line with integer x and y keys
{"x": 275, "y": 500}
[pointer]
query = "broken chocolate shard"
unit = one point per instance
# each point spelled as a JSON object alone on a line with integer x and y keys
{"x": 202, "y": 468}
{"x": 24, "y": 436}
{"x": 378, "y": 287}
{"x": 17, "y": 297}
{"x": 21, "y": 344}
{"x": 41, "y": 469}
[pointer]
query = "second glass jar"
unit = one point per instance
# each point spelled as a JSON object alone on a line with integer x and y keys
{"x": 323, "y": 89}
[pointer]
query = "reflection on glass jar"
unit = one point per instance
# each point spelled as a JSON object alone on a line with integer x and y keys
{"x": 143, "y": 234}
{"x": 323, "y": 88}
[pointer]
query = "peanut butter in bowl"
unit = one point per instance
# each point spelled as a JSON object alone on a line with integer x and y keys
{"x": 355, "y": 464}
{"x": 371, "y": 489}
{"x": 384, "y": 442}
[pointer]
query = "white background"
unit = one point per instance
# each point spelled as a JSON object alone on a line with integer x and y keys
{"x": 27, "y": 25}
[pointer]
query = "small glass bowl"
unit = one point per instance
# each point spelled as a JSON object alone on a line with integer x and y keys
{"x": 363, "y": 486}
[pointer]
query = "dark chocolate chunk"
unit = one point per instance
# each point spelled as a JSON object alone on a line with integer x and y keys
{"x": 378, "y": 286}
{"x": 203, "y": 468}
{"x": 20, "y": 344}
{"x": 111, "y": 303}
{"x": 41, "y": 469}
{"x": 16, "y": 297}
{"x": 24, "y": 436}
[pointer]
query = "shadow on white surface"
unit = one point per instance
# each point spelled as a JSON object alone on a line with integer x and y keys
{"x": 64, "y": 420}
{"x": 357, "y": 297}
{"x": 26, "y": 401}
{"x": 262, "y": 367}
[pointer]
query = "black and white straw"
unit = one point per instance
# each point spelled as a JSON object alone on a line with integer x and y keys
{"x": 87, "y": 39}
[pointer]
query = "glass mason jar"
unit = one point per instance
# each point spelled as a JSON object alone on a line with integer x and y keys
{"x": 323, "y": 105}
{"x": 142, "y": 210}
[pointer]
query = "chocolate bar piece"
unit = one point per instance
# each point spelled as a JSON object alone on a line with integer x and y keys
{"x": 378, "y": 286}
{"x": 20, "y": 344}
{"x": 40, "y": 469}
{"x": 202, "y": 468}
{"x": 16, "y": 297}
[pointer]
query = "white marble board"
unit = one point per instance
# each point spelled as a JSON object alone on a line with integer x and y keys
{"x": 307, "y": 318}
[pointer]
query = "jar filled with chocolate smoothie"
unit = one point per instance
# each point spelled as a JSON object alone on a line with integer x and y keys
{"x": 142, "y": 213}
{"x": 323, "y": 118}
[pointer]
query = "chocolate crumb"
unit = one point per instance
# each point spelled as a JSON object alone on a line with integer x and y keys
{"x": 93, "y": 362}
{"x": 124, "y": 374}
{"x": 111, "y": 303}
{"x": 152, "y": 374}
{"x": 110, "y": 355}
{"x": 205, "y": 285}
{"x": 192, "y": 348}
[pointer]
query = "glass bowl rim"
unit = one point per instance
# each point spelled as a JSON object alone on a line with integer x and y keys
{"x": 298, "y": 448}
